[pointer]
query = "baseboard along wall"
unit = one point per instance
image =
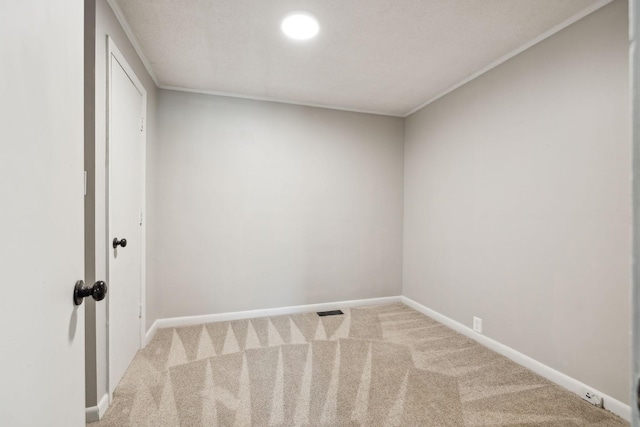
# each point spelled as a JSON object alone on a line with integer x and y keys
{"x": 173, "y": 322}
{"x": 95, "y": 413}
{"x": 573, "y": 385}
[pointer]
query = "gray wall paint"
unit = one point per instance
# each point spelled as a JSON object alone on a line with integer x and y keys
{"x": 518, "y": 202}
{"x": 96, "y": 332}
{"x": 265, "y": 205}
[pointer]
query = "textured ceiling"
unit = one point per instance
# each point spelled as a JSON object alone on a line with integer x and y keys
{"x": 385, "y": 56}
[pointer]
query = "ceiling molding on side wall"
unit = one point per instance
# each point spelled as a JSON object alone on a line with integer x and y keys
{"x": 132, "y": 39}
{"x": 280, "y": 101}
{"x": 541, "y": 37}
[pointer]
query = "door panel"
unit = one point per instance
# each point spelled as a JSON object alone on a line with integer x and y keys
{"x": 126, "y": 142}
{"x": 41, "y": 212}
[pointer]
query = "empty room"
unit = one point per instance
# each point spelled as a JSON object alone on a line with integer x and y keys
{"x": 320, "y": 213}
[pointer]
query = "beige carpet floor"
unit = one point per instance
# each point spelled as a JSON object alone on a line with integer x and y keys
{"x": 384, "y": 365}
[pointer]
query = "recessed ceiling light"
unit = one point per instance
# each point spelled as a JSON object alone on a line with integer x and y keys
{"x": 300, "y": 25}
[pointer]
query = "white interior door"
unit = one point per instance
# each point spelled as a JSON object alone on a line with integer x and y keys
{"x": 126, "y": 138}
{"x": 41, "y": 212}
{"x": 634, "y": 29}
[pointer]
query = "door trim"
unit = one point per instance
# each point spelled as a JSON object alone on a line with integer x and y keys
{"x": 634, "y": 80}
{"x": 113, "y": 53}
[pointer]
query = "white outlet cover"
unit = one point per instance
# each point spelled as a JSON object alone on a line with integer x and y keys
{"x": 591, "y": 397}
{"x": 477, "y": 324}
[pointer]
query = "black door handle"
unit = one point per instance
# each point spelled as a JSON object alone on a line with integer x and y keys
{"x": 98, "y": 291}
{"x": 117, "y": 242}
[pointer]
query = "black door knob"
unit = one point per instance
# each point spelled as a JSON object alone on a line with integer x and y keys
{"x": 117, "y": 242}
{"x": 98, "y": 291}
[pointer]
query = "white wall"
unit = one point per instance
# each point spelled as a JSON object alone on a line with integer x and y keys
{"x": 518, "y": 202}
{"x": 96, "y": 215}
{"x": 262, "y": 205}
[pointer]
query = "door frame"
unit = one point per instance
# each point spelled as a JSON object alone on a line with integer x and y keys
{"x": 634, "y": 79}
{"x": 114, "y": 54}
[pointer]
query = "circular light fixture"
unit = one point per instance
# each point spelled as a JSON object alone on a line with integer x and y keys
{"x": 300, "y": 25}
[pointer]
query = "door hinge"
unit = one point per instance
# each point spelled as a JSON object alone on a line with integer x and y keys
{"x": 140, "y": 313}
{"x": 142, "y": 124}
{"x": 85, "y": 183}
{"x": 140, "y": 218}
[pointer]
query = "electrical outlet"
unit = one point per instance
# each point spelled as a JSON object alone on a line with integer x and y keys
{"x": 591, "y": 397}
{"x": 477, "y": 324}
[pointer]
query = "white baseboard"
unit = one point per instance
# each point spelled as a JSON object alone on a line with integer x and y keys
{"x": 173, "y": 322}
{"x": 94, "y": 413}
{"x": 150, "y": 333}
{"x": 613, "y": 405}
